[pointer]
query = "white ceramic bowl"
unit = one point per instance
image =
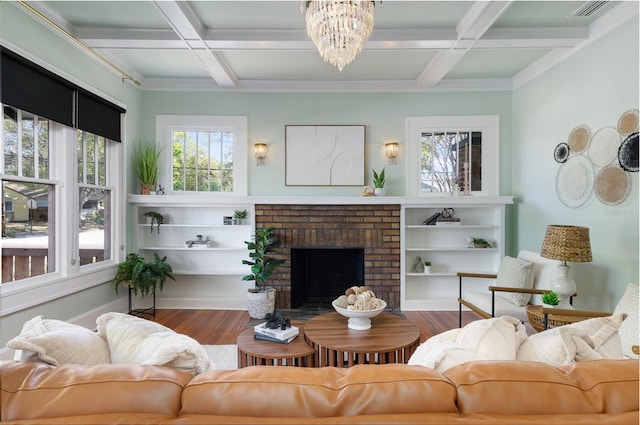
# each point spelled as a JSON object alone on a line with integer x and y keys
{"x": 359, "y": 320}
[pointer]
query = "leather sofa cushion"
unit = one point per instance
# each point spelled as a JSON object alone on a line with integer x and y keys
{"x": 72, "y": 390}
{"x": 319, "y": 392}
{"x": 532, "y": 388}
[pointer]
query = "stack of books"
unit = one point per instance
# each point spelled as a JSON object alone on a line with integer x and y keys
{"x": 285, "y": 336}
{"x": 450, "y": 221}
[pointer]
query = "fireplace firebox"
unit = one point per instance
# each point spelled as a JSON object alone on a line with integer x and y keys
{"x": 320, "y": 275}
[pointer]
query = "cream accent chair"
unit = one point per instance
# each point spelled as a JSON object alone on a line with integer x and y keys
{"x": 487, "y": 304}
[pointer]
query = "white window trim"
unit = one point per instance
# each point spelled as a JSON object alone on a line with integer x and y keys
{"x": 489, "y": 125}
{"x": 69, "y": 278}
{"x": 166, "y": 124}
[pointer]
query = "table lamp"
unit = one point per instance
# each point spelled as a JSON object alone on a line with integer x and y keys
{"x": 566, "y": 243}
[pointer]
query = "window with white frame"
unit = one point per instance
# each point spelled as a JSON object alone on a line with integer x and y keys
{"x": 453, "y": 154}
{"x": 204, "y": 154}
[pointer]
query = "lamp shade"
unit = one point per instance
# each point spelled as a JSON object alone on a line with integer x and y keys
{"x": 567, "y": 243}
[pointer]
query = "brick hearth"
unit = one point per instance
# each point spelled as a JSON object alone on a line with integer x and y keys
{"x": 376, "y": 228}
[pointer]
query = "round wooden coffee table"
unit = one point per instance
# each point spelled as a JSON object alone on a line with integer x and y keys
{"x": 391, "y": 339}
{"x": 253, "y": 352}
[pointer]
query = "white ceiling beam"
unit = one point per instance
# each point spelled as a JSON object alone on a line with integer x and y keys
{"x": 189, "y": 28}
{"x": 478, "y": 19}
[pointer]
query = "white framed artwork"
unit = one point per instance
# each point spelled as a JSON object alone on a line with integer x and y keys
{"x": 324, "y": 155}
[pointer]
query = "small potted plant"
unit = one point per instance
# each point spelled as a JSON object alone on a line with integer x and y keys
{"x": 145, "y": 164}
{"x": 155, "y": 218}
{"x": 239, "y": 216}
{"x": 378, "y": 182}
{"x": 427, "y": 267}
{"x": 481, "y": 243}
{"x": 550, "y": 299}
{"x": 261, "y": 298}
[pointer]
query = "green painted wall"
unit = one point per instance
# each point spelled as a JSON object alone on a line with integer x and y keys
{"x": 593, "y": 87}
{"x": 383, "y": 114}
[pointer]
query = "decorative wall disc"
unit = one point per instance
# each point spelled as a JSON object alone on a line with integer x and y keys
{"x": 561, "y": 153}
{"x": 628, "y": 122}
{"x": 604, "y": 145}
{"x": 574, "y": 181}
{"x": 579, "y": 139}
{"x": 628, "y": 153}
{"x": 612, "y": 185}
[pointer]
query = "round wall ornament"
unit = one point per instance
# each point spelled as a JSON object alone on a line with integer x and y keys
{"x": 612, "y": 185}
{"x": 574, "y": 181}
{"x": 561, "y": 153}
{"x": 628, "y": 153}
{"x": 579, "y": 139}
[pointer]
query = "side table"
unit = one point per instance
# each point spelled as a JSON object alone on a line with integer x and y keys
{"x": 253, "y": 352}
{"x": 391, "y": 339}
{"x": 536, "y": 316}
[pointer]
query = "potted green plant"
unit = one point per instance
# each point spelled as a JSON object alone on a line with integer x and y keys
{"x": 427, "y": 266}
{"x": 145, "y": 164}
{"x": 261, "y": 298}
{"x": 240, "y": 216}
{"x": 140, "y": 276}
{"x": 378, "y": 182}
{"x": 550, "y": 299}
{"x": 156, "y": 218}
{"x": 481, "y": 243}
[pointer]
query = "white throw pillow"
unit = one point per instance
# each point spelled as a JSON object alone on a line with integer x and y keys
{"x": 515, "y": 273}
{"x": 173, "y": 350}
{"x": 134, "y": 340}
{"x": 591, "y": 339}
{"x": 629, "y": 332}
{"x": 490, "y": 339}
{"x": 57, "y": 342}
{"x": 124, "y": 333}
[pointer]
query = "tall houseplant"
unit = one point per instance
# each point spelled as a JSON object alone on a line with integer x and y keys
{"x": 145, "y": 164}
{"x": 261, "y": 298}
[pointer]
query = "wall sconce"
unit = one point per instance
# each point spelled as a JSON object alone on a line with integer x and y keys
{"x": 391, "y": 150}
{"x": 260, "y": 152}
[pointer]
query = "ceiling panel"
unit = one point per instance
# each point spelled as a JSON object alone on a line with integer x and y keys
{"x": 117, "y": 14}
{"x": 494, "y": 63}
{"x": 161, "y": 64}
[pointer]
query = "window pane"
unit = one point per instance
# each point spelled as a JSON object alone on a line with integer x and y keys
{"x": 43, "y": 148}
{"x": 90, "y": 158}
{"x": 203, "y": 161}
{"x": 95, "y": 223}
{"x": 10, "y": 141}
{"x": 101, "y": 161}
{"x": 27, "y": 230}
{"x": 28, "y": 169}
{"x": 81, "y": 157}
{"x": 448, "y": 161}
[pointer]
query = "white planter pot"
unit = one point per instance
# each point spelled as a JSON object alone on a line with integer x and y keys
{"x": 427, "y": 269}
{"x": 548, "y": 305}
{"x": 379, "y": 191}
{"x": 261, "y": 303}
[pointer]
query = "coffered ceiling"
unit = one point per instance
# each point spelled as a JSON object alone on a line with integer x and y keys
{"x": 263, "y": 45}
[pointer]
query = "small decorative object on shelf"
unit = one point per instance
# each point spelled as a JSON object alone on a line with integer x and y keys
{"x": 480, "y": 243}
{"x": 427, "y": 267}
{"x": 156, "y": 218}
{"x": 550, "y": 299}
{"x": 470, "y": 243}
{"x": 378, "y": 182}
{"x": 160, "y": 190}
{"x": 239, "y": 216}
{"x": 199, "y": 242}
{"x": 227, "y": 220}
{"x": 418, "y": 265}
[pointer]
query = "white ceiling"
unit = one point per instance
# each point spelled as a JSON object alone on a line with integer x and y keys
{"x": 263, "y": 45}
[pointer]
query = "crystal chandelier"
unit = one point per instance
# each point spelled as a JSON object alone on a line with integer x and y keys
{"x": 339, "y": 29}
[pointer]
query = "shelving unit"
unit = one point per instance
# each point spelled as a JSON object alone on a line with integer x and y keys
{"x": 184, "y": 220}
{"x": 447, "y": 248}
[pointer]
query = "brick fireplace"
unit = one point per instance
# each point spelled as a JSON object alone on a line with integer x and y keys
{"x": 375, "y": 228}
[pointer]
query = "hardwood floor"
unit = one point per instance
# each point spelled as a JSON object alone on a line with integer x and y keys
{"x": 224, "y": 326}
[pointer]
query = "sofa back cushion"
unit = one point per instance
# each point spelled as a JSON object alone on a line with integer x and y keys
{"x": 532, "y": 388}
{"x": 282, "y": 391}
{"x": 35, "y": 391}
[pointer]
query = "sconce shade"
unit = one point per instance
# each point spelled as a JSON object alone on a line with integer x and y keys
{"x": 567, "y": 243}
{"x": 260, "y": 150}
{"x": 392, "y": 150}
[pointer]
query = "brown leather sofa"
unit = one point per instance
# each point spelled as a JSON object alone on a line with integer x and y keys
{"x": 491, "y": 392}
